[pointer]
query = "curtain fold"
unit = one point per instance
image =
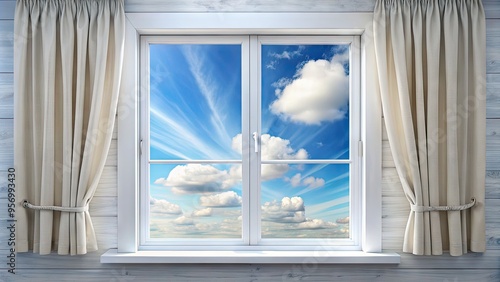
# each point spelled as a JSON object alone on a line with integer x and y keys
{"x": 431, "y": 66}
{"x": 68, "y": 60}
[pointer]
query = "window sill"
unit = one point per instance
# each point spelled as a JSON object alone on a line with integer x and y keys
{"x": 320, "y": 257}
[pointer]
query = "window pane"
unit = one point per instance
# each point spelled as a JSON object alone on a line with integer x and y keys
{"x": 305, "y": 98}
{"x": 305, "y": 201}
{"x": 195, "y": 101}
{"x": 195, "y": 201}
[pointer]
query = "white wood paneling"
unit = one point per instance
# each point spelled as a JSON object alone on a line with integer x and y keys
{"x": 6, "y": 95}
{"x": 6, "y": 143}
{"x": 103, "y": 207}
{"x": 6, "y": 45}
{"x": 112, "y": 160}
{"x": 491, "y": 9}
{"x": 493, "y": 144}
{"x": 7, "y": 10}
{"x": 107, "y": 183}
{"x": 492, "y": 45}
{"x": 267, "y": 273}
{"x": 249, "y": 6}
{"x": 493, "y": 95}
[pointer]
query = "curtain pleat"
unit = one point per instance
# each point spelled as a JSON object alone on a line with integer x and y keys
{"x": 68, "y": 61}
{"x": 432, "y": 71}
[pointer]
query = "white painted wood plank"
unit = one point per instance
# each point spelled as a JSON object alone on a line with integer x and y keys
{"x": 488, "y": 260}
{"x": 492, "y": 9}
{"x": 6, "y": 45}
{"x": 103, "y": 207}
{"x": 269, "y": 273}
{"x": 493, "y": 95}
{"x": 492, "y": 46}
{"x": 6, "y": 95}
{"x": 112, "y": 159}
{"x": 387, "y": 160}
{"x": 493, "y": 184}
{"x": 106, "y": 232}
{"x": 7, "y": 10}
{"x": 493, "y": 144}
{"x": 107, "y": 184}
{"x": 249, "y": 6}
{"x": 6, "y": 143}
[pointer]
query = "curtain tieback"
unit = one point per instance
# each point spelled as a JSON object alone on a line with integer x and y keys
{"x": 27, "y": 205}
{"x": 416, "y": 208}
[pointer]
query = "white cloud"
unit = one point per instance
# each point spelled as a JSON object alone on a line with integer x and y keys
{"x": 316, "y": 224}
{"x": 163, "y": 207}
{"x": 225, "y": 199}
{"x": 182, "y": 220}
{"x": 289, "y": 210}
{"x": 272, "y": 148}
{"x": 288, "y": 54}
{"x": 343, "y": 220}
{"x": 311, "y": 182}
{"x": 203, "y": 212}
{"x": 318, "y": 93}
{"x": 295, "y": 180}
{"x": 197, "y": 178}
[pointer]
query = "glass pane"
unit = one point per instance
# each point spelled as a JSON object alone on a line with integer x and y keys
{"x": 195, "y": 101}
{"x": 195, "y": 201}
{"x": 305, "y": 98}
{"x": 305, "y": 201}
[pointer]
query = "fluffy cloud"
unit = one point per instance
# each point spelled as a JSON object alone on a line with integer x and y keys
{"x": 343, "y": 220}
{"x": 225, "y": 199}
{"x": 163, "y": 207}
{"x": 318, "y": 93}
{"x": 311, "y": 182}
{"x": 197, "y": 178}
{"x": 182, "y": 220}
{"x": 315, "y": 224}
{"x": 289, "y": 210}
{"x": 203, "y": 212}
{"x": 272, "y": 148}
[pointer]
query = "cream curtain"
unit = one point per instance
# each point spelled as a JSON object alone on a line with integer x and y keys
{"x": 432, "y": 72}
{"x": 68, "y": 60}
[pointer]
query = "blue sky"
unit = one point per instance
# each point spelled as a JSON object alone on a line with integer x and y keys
{"x": 195, "y": 102}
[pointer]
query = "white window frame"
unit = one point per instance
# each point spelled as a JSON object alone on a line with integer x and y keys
{"x": 251, "y": 109}
{"x": 138, "y": 24}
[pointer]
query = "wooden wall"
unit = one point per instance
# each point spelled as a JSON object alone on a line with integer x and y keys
{"x": 471, "y": 267}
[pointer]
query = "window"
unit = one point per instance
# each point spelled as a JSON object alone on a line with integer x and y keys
{"x": 250, "y": 145}
{"x": 265, "y": 77}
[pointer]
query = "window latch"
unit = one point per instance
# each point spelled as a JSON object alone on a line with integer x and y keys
{"x": 256, "y": 142}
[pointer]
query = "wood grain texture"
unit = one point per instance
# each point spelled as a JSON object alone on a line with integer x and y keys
{"x": 490, "y": 259}
{"x": 267, "y": 273}
{"x": 132, "y": 6}
{"x": 107, "y": 183}
{"x": 6, "y": 45}
{"x": 7, "y": 10}
{"x": 112, "y": 157}
{"x": 6, "y": 95}
{"x": 491, "y": 9}
{"x": 493, "y": 96}
{"x": 6, "y": 143}
{"x": 492, "y": 44}
{"x": 103, "y": 206}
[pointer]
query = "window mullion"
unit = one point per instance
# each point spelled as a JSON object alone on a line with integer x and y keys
{"x": 254, "y": 179}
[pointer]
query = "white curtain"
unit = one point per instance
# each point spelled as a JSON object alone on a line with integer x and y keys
{"x": 432, "y": 72}
{"x": 68, "y": 61}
